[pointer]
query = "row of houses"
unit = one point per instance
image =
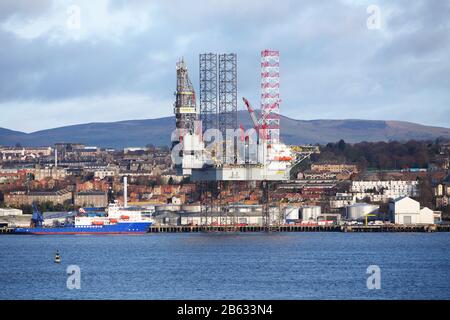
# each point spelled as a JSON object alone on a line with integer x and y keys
{"x": 383, "y": 191}
{"x": 23, "y": 153}
{"x": 63, "y": 196}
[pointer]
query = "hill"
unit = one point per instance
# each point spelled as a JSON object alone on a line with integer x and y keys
{"x": 157, "y": 131}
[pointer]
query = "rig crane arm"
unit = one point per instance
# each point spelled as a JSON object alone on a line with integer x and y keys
{"x": 252, "y": 113}
{"x": 260, "y": 126}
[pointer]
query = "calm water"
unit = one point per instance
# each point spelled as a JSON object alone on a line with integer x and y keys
{"x": 227, "y": 266}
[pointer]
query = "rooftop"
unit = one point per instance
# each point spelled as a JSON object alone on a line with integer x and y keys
{"x": 91, "y": 193}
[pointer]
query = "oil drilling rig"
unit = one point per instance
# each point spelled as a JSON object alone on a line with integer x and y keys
{"x": 208, "y": 146}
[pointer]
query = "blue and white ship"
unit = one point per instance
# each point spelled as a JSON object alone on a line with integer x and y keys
{"x": 117, "y": 220}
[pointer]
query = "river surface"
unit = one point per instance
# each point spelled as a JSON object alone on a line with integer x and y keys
{"x": 227, "y": 266}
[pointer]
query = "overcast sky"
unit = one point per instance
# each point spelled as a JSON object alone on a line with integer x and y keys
{"x": 119, "y": 62}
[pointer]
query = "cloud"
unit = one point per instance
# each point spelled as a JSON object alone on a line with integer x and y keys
{"x": 66, "y": 21}
{"x": 81, "y": 110}
{"x": 22, "y": 7}
{"x": 332, "y": 65}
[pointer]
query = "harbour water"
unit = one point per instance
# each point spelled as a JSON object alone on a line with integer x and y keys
{"x": 324, "y": 265}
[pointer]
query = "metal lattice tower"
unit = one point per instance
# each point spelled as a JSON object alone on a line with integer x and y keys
{"x": 270, "y": 93}
{"x": 185, "y": 108}
{"x": 208, "y": 90}
{"x": 227, "y": 93}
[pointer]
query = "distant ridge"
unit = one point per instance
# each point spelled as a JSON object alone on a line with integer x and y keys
{"x": 157, "y": 132}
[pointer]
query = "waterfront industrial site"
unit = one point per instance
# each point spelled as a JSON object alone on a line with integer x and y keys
{"x": 217, "y": 176}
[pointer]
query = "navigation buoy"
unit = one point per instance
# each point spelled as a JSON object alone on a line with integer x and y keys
{"x": 57, "y": 257}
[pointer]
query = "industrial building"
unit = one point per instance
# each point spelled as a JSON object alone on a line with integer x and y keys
{"x": 10, "y": 212}
{"x": 359, "y": 211}
{"x": 227, "y": 215}
{"x": 311, "y": 213}
{"x": 216, "y": 218}
{"x": 408, "y": 211}
{"x": 292, "y": 214}
{"x": 19, "y": 220}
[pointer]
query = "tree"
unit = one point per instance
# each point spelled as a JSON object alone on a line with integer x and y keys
{"x": 26, "y": 209}
{"x": 446, "y": 213}
{"x": 341, "y": 145}
{"x": 46, "y": 206}
{"x": 367, "y": 199}
{"x": 67, "y": 205}
{"x": 425, "y": 192}
{"x": 381, "y": 155}
{"x": 186, "y": 180}
{"x": 384, "y": 211}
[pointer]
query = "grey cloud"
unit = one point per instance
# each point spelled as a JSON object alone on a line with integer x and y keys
{"x": 25, "y": 8}
{"x": 331, "y": 64}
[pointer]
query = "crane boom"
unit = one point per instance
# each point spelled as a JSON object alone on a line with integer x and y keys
{"x": 252, "y": 113}
{"x": 260, "y": 126}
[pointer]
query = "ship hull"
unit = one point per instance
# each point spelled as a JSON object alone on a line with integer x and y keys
{"x": 119, "y": 228}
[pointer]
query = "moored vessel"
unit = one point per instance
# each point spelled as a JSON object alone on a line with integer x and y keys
{"x": 117, "y": 220}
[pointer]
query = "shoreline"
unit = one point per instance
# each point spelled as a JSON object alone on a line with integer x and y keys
{"x": 286, "y": 228}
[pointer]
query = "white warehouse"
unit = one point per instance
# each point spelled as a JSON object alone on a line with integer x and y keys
{"x": 10, "y": 212}
{"x": 407, "y": 211}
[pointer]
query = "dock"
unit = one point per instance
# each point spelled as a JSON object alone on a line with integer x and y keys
{"x": 286, "y": 228}
{"x": 6, "y": 230}
{"x": 299, "y": 228}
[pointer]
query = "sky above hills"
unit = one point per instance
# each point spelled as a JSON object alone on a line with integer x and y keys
{"x": 117, "y": 61}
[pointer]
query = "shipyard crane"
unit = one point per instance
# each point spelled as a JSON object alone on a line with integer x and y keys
{"x": 261, "y": 124}
{"x": 37, "y": 218}
{"x": 256, "y": 124}
{"x": 366, "y": 218}
{"x": 251, "y": 112}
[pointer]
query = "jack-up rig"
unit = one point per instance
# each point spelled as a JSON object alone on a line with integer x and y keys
{"x": 209, "y": 147}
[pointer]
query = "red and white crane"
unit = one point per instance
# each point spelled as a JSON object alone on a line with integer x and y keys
{"x": 260, "y": 126}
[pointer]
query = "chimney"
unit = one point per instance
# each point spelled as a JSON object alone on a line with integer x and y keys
{"x": 125, "y": 192}
{"x": 56, "y": 164}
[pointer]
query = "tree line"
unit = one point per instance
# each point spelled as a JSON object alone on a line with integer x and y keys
{"x": 380, "y": 155}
